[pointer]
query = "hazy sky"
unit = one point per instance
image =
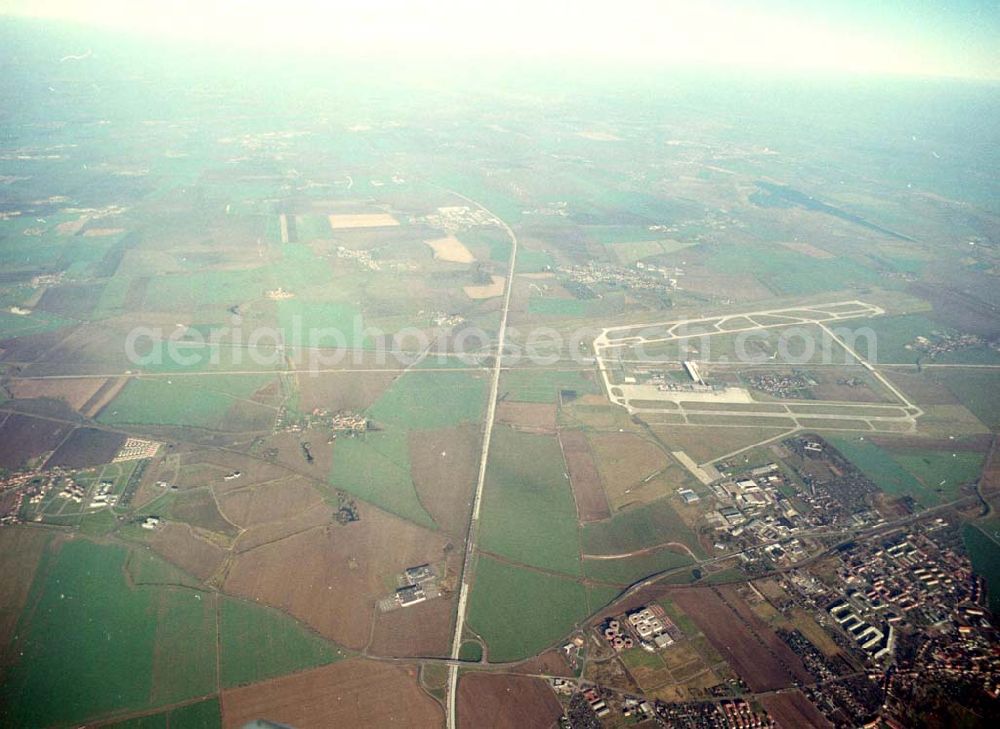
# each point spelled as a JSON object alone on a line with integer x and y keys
{"x": 957, "y": 38}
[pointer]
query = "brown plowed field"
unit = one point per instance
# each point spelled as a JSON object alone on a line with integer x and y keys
{"x": 23, "y": 438}
{"x": 493, "y": 701}
{"x": 289, "y": 446}
{"x": 267, "y": 502}
{"x": 76, "y": 300}
{"x": 87, "y": 447}
{"x": 550, "y": 662}
{"x": 747, "y": 643}
{"x": 244, "y": 416}
{"x": 422, "y": 630}
{"x": 320, "y": 515}
{"x": 591, "y": 503}
{"x": 624, "y": 461}
{"x": 703, "y": 443}
{"x": 178, "y": 544}
{"x": 107, "y": 392}
{"x": 348, "y": 568}
{"x": 74, "y": 392}
{"x": 775, "y": 645}
{"x": 210, "y": 467}
{"x": 198, "y": 508}
{"x": 791, "y": 710}
{"x": 21, "y": 549}
{"x": 444, "y": 483}
{"x": 361, "y": 220}
{"x": 30, "y": 347}
{"x": 352, "y": 693}
{"x": 342, "y": 390}
{"x": 235, "y": 505}
{"x": 921, "y": 388}
{"x": 528, "y": 415}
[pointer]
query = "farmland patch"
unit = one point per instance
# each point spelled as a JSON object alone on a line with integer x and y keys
{"x": 528, "y": 513}
{"x": 485, "y": 700}
{"x": 519, "y": 611}
{"x": 348, "y": 693}
{"x": 351, "y": 566}
{"x": 588, "y": 493}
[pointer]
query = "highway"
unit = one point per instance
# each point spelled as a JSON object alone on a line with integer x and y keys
{"x": 477, "y": 498}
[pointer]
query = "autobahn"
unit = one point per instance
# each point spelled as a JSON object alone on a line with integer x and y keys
{"x": 470, "y": 540}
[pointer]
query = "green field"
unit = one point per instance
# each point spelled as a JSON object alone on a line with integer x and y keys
{"x": 471, "y": 651}
{"x": 930, "y": 477}
{"x": 878, "y": 465}
{"x": 200, "y": 715}
{"x": 311, "y": 227}
{"x": 259, "y": 643}
{"x": 639, "y": 658}
{"x": 146, "y": 568}
{"x": 977, "y": 390}
{"x": 633, "y": 569}
{"x": 628, "y": 252}
{"x": 15, "y": 325}
{"x": 984, "y": 551}
{"x": 788, "y": 272}
{"x": 894, "y": 333}
{"x": 485, "y": 191}
{"x": 519, "y": 612}
{"x": 431, "y": 400}
{"x": 98, "y": 523}
{"x": 529, "y": 261}
{"x": 564, "y": 307}
{"x": 320, "y": 324}
{"x": 298, "y": 271}
{"x": 184, "y": 646}
{"x": 943, "y": 471}
{"x": 86, "y": 651}
{"x": 201, "y": 402}
{"x": 730, "y": 574}
{"x": 681, "y": 619}
{"x": 376, "y": 467}
{"x": 196, "y": 507}
{"x": 638, "y": 528}
{"x": 89, "y": 644}
{"x": 794, "y": 343}
{"x": 614, "y": 234}
{"x": 199, "y": 288}
{"x": 598, "y": 596}
{"x": 543, "y": 385}
{"x": 201, "y": 349}
{"x": 528, "y": 512}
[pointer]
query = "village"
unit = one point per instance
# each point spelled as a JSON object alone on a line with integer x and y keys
{"x": 939, "y": 343}
{"x": 341, "y": 421}
{"x": 57, "y": 493}
{"x": 642, "y": 277}
{"x": 590, "y": 706}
